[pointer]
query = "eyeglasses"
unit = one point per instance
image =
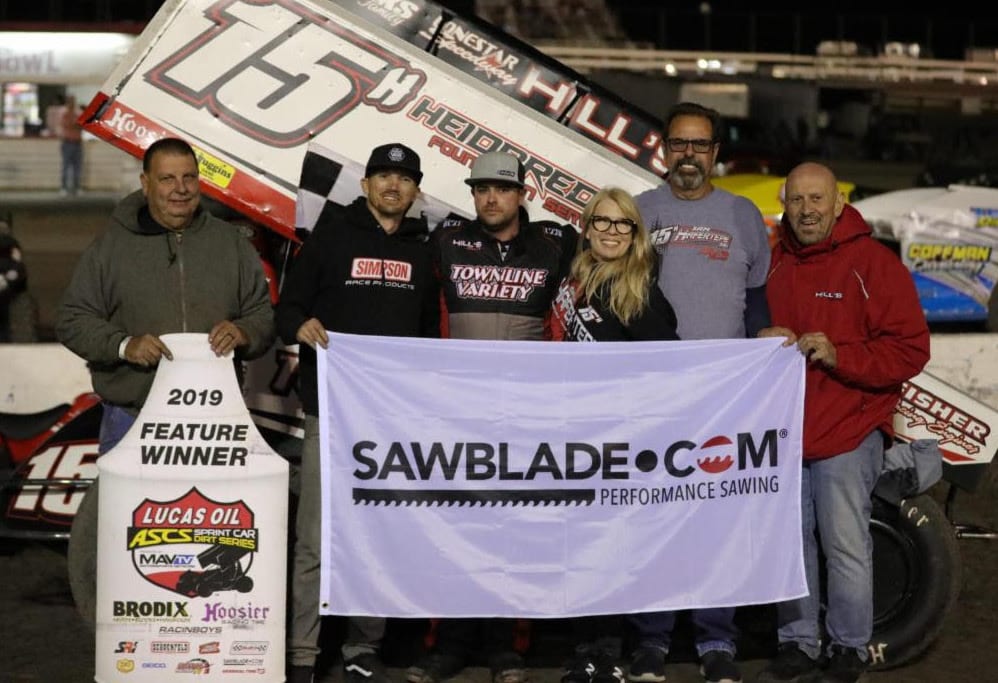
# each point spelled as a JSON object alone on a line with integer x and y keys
{"x": 700, "y": 145}
{"x": 621, "y": 226}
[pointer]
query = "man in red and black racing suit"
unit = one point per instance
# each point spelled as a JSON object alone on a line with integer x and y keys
{"x": 499, "y": 274}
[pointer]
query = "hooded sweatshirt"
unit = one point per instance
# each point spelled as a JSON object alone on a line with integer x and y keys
{"x": 140, "y": 278}
{"x": 355, "y": 278}
{"x": 859, "y": 294}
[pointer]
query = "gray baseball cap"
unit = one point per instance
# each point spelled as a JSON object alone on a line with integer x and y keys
{"x": 496, "y": 167}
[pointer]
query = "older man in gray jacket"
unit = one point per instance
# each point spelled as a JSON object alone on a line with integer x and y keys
{"x": 163, "y": 265}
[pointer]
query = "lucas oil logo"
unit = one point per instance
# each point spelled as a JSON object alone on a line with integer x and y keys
{"x": 193, "y": 545}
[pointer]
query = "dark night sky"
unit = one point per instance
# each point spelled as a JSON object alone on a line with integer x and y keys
{"x": 797, "y": 27}
{"x": 778, "y": 26}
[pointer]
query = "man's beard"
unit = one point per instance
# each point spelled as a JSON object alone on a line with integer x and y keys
{"x": 688, "y": 181}
{"x": 497, "y": 227}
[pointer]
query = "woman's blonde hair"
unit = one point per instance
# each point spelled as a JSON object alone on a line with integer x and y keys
{"x": 626, "y": 279}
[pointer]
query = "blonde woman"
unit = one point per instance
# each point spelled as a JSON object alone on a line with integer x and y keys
{"x": 610, "y": 293}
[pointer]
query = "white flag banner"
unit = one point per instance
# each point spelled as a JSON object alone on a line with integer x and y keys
{"x": 477, "y": 478}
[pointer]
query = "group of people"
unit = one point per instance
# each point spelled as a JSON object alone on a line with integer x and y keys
{"x": 685, "y": 260}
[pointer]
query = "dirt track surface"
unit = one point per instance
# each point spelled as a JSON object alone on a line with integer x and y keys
{"x": 43, "y": 640}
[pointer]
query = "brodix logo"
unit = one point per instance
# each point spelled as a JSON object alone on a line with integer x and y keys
{"x": 740, "y": 465}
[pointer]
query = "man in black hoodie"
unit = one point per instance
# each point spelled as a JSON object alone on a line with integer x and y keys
{"x": 365, "y": 269}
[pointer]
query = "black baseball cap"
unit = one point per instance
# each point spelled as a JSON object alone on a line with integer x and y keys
{"x": 394, "y": 156}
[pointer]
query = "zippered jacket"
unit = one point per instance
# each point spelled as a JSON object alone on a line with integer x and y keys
{"x": 862, "y": 297}
{"x": 139, "y": 278}
{"x": 489, "y": 295}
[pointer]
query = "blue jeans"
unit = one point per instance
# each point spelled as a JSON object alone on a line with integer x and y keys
{"x": 72, "y": 165}
{"x": 114, "y": 424}
{"x": 715, "y": 629}
{"x": 835, "y": 495}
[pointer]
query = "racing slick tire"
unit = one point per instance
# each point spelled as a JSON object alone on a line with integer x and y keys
{"x": 917, "y": 574}
{"x": 81, "y": 557}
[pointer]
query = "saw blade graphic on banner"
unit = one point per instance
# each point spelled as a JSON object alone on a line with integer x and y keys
{"x": 494, "y": 497}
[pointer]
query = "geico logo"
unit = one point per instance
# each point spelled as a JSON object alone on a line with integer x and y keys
{"x": 478, "y": 461}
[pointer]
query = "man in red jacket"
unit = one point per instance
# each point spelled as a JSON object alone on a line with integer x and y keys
{"x": 850, "y": 306}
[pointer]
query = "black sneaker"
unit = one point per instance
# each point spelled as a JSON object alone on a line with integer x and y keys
{"x": 364, "y": 668}
{"x": 718, "y": 666}
{"x": 508, "y": 667}
{"x": 299, "y": 674}
{"x": 606, "y": 669}
{"x": 578, "y": 669}
{"x": 647, "y": 665}
{"x": 791, "y": 665}
{"x": 844, "y": 666}
{"x": 435, "y": 667}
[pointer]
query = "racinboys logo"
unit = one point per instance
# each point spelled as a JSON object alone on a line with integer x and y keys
{"x": 193, "y": 545}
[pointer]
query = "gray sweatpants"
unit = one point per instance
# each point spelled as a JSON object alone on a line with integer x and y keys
{"x": 364, "y": 634}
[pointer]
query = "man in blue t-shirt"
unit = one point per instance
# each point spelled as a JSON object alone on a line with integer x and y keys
{"x": 714, "y": 257}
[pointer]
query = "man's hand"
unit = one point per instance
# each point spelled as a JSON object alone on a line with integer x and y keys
{"x": 146, "y": 350}
{"x": 225, "y": 337}
{"x": 312, "y": 332}
{"x": 818, "y": 349}
{"x": 779, "y": 332}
